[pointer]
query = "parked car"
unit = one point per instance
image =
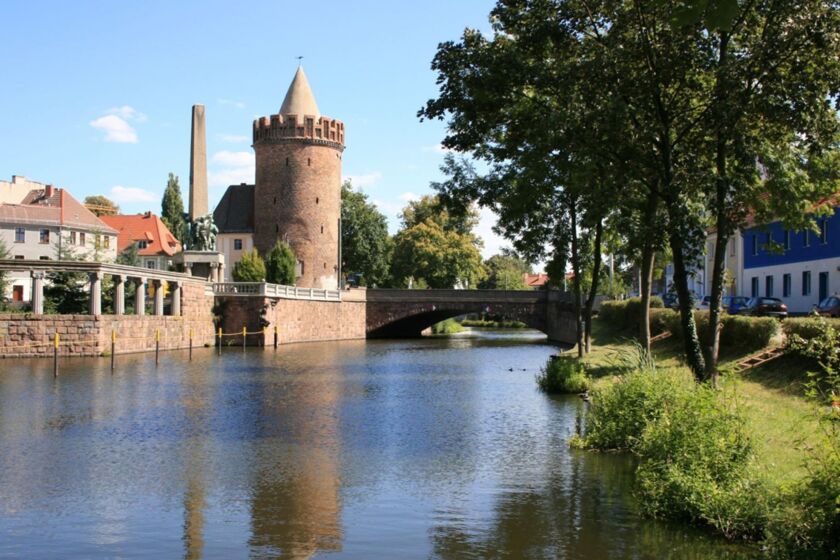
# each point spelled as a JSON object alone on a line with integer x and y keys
{"x": 704, "y": 303}
{"x": 829, "y": 307}
{"x": 671, "y": 301}
{"x": 734, "y": 304}
{"x": 765, "y": 307}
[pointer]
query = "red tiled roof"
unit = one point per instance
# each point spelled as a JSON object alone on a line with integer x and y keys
{"x": 536, "y": 280}
{"x": 143, "y": 227}
{"x": 53, "y": 207}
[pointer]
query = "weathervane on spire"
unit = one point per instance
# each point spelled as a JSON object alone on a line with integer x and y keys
{"x": 300, "y": 58}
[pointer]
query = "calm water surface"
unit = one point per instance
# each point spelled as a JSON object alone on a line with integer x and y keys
{"x": 433, "y": 448}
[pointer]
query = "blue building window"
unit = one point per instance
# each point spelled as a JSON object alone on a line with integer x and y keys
{"x": 787, "y": 240}
{"x": 806, "y": 239}
{"x": 786, "y": 285}
{"x": 755, "y": 246}
{"x": 768, "y": 286}
{"x": 806, "y": 282}
{"x": 754, "y": 286}
{"x": 823, "y": 231}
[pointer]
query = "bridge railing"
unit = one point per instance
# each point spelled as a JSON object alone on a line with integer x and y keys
{"x": 522, "y": 296}
{"x": 265, "y": 289}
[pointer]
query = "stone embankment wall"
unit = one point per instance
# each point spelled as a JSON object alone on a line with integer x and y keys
{"x": 28, "y": 335}
{"x": 297, "y": 320}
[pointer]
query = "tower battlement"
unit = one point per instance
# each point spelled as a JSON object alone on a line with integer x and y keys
{"x": 293, "y": 127}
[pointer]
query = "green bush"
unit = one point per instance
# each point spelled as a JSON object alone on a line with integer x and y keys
{"x": 620, "y": 412}
{"x": 449, "y": 326}
{"x": 250, "y": 268}
{"x": 694, "y": 465}
{"x": 808, "y": 327}
{"x": 660, "y": 318}
{"x": 625, "y": 315}
{"x": 747, "y": 333}
{"x": 494, "y": 324}
{"x": 805, "y": 522}
{"x": 281, "y": 264}
{"x": 563, "y": 374}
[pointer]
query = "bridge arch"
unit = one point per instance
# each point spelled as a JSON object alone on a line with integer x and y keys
{"x": 410, "y": 321}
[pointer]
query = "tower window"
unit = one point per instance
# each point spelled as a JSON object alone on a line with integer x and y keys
{"x": 287, "y": 162}
{"x": 322, "y": 229}
{"x": 316, "y": 200}
{"x": 309, "y": 161}
{"x": 276, "y": 229}
{"x": 325, "y": 266}
{"x": 275, "y": 200}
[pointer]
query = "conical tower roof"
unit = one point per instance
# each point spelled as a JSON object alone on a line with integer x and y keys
{"x": 299, "y": 99}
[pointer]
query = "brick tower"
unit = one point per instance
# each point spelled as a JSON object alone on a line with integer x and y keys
{"x": 297, "y": 196}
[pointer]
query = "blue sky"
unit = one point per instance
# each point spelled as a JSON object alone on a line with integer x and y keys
{"x": 96, "y": 96}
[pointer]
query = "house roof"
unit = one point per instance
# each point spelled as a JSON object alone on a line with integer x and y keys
{"x": 299, "y": 99}
{"x": 235, "y": 211}
{"x": 536, "y": 280}
{"x": 53, "y": 207}
{"x": 146, "y": 227}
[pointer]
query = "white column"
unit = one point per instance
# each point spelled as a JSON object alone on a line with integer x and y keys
{"x": 95, "y": 293}
{"x": 176, "y": 298}
{"x": 140, "y": 297}
{"x": 37, "y": 292}
{"x": 158, "y": 308}
{"x": 119, "y": 294}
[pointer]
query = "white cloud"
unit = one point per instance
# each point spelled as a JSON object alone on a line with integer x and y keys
{"x": 231, "y": 168}
{"x": 116, "y": 129}
{"x": 233, "y": 159}
{"x": 129, "y": 195}
{"x": 128, "y": 113}
{"x": 409, "y": 196}
{"x": 365, "y": 180}
{"x": 493, "y": 243}
{"x": 237, "y": 104}
{"x": 234, "y": 138}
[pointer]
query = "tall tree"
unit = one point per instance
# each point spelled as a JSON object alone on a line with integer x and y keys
{"x": 172, "y": 209}
{"x": 64, "y": 292}
{"x": 437, "y": 247}
{"x": 365, "y": 244}
{"x": 280, "y": 264}
{"x": 4, "y": 254}
{"x": 101, "y": 205}
{"x": 506, "y": 271}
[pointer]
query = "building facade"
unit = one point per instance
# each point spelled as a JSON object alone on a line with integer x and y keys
{"x": 46, "y": 223}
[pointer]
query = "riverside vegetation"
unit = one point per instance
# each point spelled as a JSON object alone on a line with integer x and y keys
{"x": 757, "y": 459}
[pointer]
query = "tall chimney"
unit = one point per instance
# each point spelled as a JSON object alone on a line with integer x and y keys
{"x": 198, "y": 165}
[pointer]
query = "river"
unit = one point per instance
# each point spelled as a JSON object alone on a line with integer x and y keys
{"x": 428, "y": 448}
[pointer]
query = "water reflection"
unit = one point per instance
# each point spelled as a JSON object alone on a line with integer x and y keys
{"x": 410, "y": 449}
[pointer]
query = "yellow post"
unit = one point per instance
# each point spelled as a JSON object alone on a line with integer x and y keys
{"x": 244, "y": 340}
{"x": 113, "y": 347}
{"x": 275, "y": 337}
{"x": 220, "y": 340}
{"x": 157, "y": 346}
{"x": 55, "y": 355}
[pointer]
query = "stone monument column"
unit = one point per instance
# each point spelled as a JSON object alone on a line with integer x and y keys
{"x": 198, "y": 205}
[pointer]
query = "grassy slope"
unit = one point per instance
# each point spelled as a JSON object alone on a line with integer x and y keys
{"x": 783, "y": 422}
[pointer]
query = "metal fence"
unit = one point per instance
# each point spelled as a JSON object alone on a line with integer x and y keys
{"x": 264, "y": 289}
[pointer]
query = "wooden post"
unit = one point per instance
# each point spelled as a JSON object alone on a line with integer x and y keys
{"x": 55, "y": 355}
{"x": 157, "y": 346}
{"x": 275, "y": 337}
{"x": 113, "y": 347}
{"x": 191, "y": 339}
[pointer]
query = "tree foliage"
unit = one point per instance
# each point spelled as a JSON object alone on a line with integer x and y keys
{"x": 436, "y": 248}
{"x": 250, "y": 268}
{"x": 172, "y": 209}
{"x": 365, "y": 244}
{"x": 4, "y": 254}
{"x": 101, "y": 205}
{"x": 64, "y": 292}
{"x": 280, "y": 264}
{"x": 506, "y": 271}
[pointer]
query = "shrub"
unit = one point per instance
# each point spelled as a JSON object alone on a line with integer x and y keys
{"x": 625, "y": 315}
{"x": 694, "y": 465}
{"x": 823, "y": 349}
{"x": 619, "y": 413}
{"x": 747, "y": 333}
{"x": 563, "y": 374}
{"x": 449, "y": 326}
{"x": 280, "y": 264}
{"x": 808, "y": 327}
{"x": 805, "y": 522}
{"x": 494, "y": 324}
{"x": 660, "y": 319}
{"x": 250, "y": 268}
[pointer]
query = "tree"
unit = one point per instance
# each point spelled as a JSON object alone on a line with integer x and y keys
{"x": 251, "y": 268}
{"x": 4, "y": 254}
{"x": 64, "y": 292}
{"x": 280, "y": 264}
{"x": 506, "y": 271}
{"x": 172, "y": 209}
{"x": 365, "y": 244}
{"x": 436, "y": 247}
{"x": 101, "y": 205}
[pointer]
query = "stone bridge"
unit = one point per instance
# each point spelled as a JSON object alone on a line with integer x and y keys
{"x": 406, "y": 313}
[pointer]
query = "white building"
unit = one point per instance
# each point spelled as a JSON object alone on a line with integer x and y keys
{"x": 48, "y": 220}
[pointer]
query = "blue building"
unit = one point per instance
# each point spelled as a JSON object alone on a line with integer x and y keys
{"x": 799, "y": 267}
